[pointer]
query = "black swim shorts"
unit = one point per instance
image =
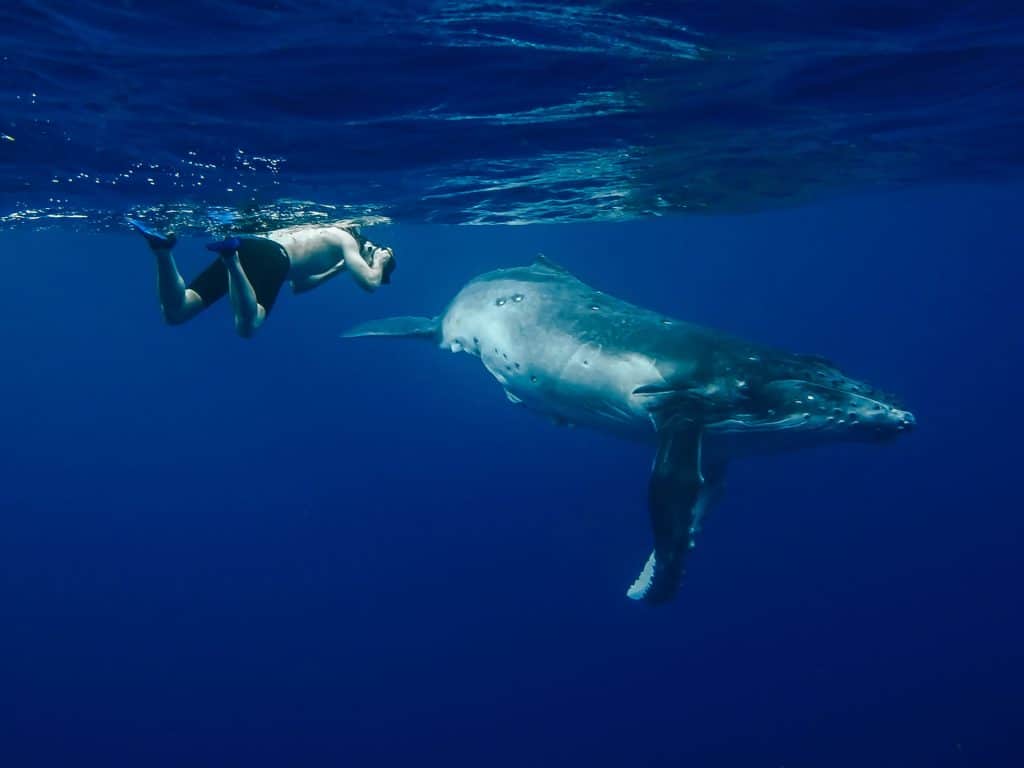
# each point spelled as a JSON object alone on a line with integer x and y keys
{"x": 265, "y": 264}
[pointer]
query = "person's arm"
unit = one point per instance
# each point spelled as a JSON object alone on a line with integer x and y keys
{"x": 311, "y": 282}
{"x": 366, "y": 275}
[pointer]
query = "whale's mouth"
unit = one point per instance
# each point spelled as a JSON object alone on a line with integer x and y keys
{"x": 795, "y": 404}
{"x": 751, "y": 423}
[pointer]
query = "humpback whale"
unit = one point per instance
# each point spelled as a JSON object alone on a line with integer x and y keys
{"x": 702, "y": 397}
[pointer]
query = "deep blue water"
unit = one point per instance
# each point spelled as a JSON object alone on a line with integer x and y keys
{"x": 297, "y": 550}
{"x": 192, "y": 572}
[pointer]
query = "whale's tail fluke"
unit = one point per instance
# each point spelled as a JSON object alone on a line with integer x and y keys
{"x": 404, "y": 327}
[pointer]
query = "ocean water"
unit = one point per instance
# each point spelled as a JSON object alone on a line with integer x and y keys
{"x": 298, "y": 550}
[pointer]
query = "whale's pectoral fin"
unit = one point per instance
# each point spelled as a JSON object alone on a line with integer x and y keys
{"x": 672, "y": 408}
{"x": 406, "y": 327}
{"x": 674, "y": 496}
{"x": 710, "y": 493}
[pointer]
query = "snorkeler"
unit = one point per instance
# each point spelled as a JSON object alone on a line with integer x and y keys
{"x": 252, "y": 270}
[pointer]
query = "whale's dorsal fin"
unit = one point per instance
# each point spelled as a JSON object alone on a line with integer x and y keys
{"x": 544, "y": 264}
{"x": 816, "y": 359}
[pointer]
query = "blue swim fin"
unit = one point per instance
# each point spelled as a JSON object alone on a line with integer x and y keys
{"x": 156, "y": 240}
{"x": 225, "y": 247}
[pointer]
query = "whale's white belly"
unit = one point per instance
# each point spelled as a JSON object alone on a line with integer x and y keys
{"x": 559, "y": 376}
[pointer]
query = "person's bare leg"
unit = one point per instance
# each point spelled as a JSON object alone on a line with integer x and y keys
{"x": 177, "y": 302}
{"x": 249, "y": 315}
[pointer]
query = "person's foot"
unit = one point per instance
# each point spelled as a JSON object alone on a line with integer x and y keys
{"x": 226, "y": 248}
{"x": 156, "y": 240}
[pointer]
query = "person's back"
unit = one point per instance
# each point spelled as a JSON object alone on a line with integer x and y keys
{"x": 317, "y": 253}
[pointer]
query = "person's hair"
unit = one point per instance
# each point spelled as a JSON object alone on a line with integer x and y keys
{"x": 389, "y": 267}
{"x": 360, "y": 238}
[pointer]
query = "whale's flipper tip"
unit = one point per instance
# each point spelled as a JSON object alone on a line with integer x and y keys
{"x": 638, "y": 590}
{"x": 400, "y": 327}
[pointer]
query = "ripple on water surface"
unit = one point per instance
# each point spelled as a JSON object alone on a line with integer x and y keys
{"x": 245, "y": 116}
